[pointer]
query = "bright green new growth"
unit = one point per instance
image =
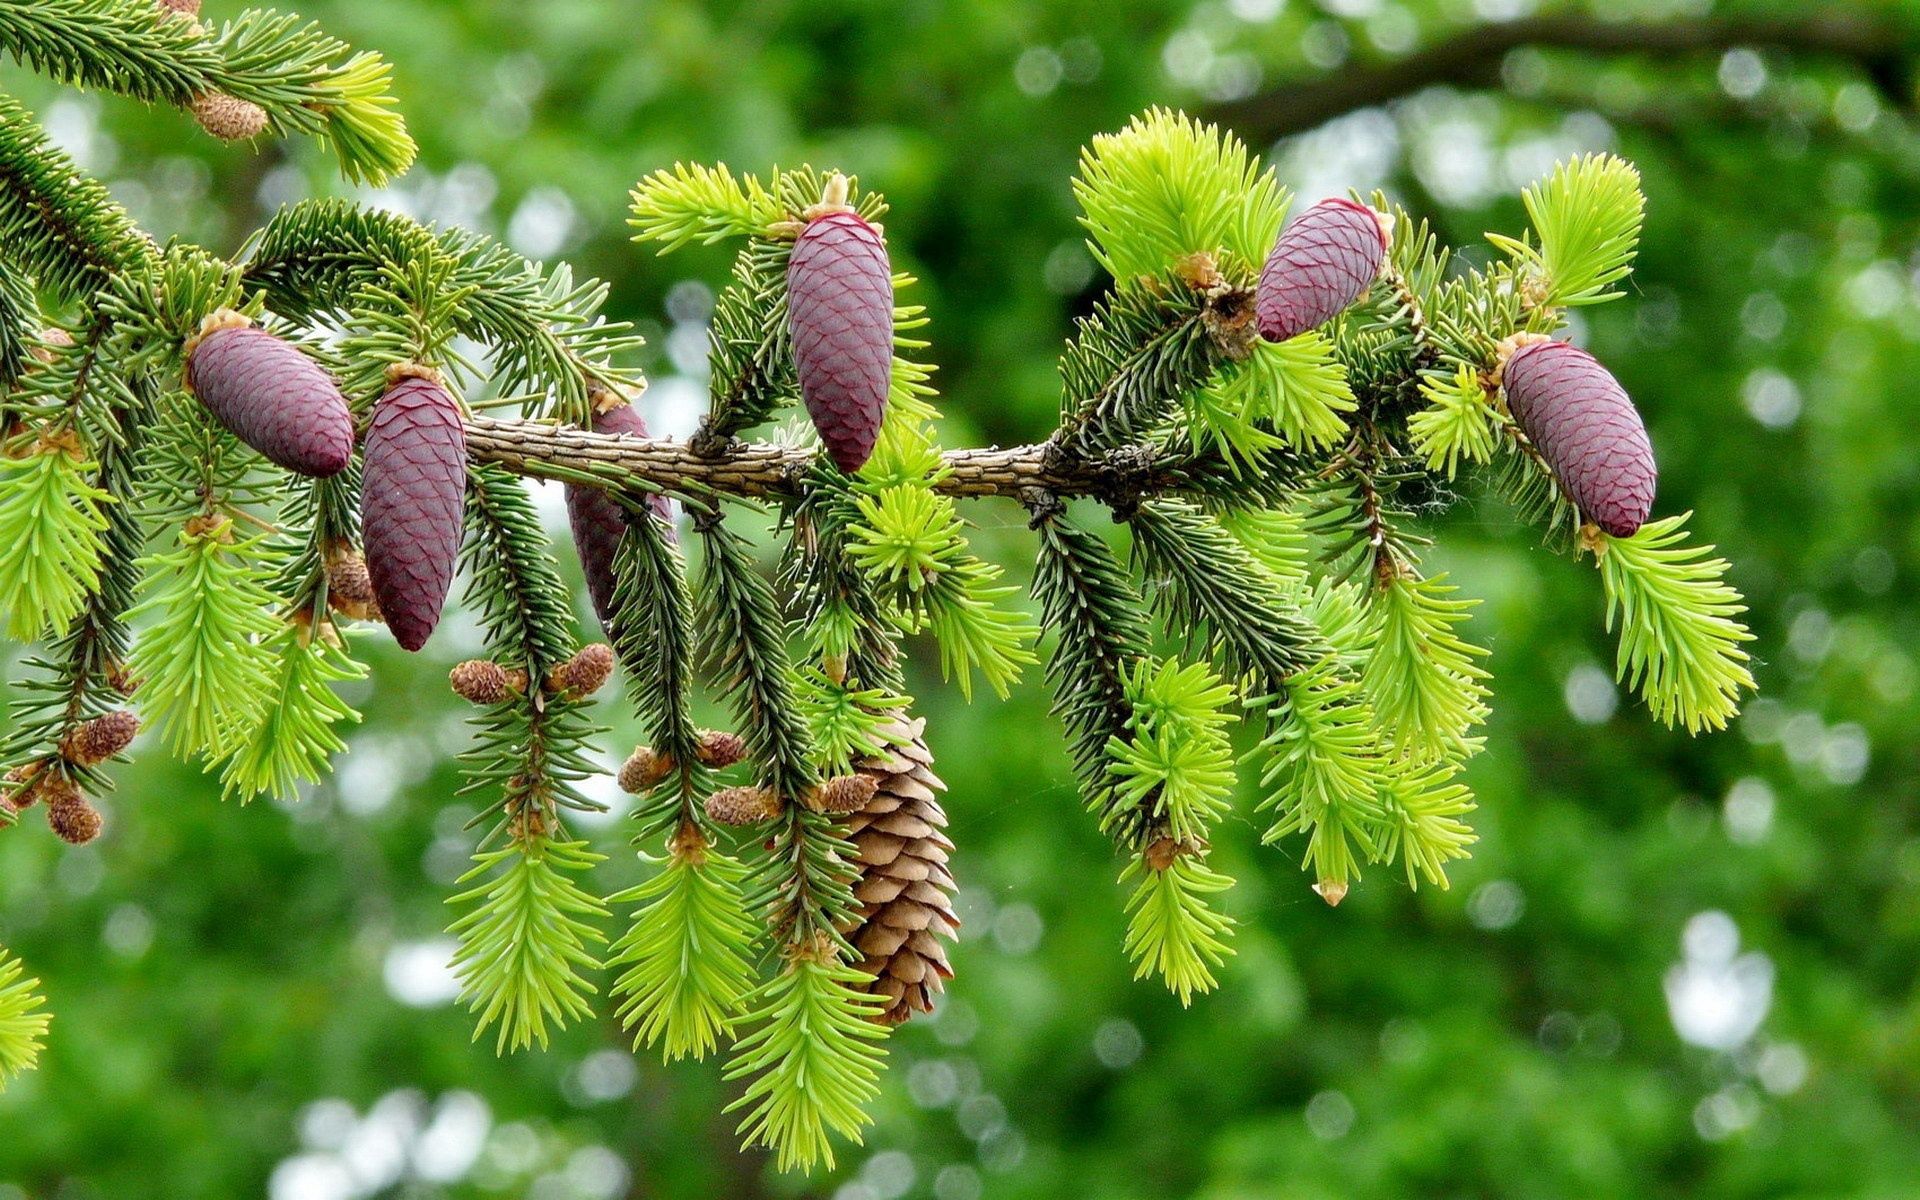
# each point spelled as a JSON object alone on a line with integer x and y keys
{"x": 814, "y": 1058}
{"x": 1168, "y": 186}
{"x": 1172, "y": 930}
{"x": 204, "y": 663}
{"x": 51, "y": 520}
{"x": 1177, "y": 763}
{"x": 1455, "y": 429}
{"x": 1680, "y": 634}
{"x": 1588, "y": 215}
{"x": 294, "y": 741}
{"x": 1426, "y": 682}
{"x": 23, "y": 1019}
{"x": 510, "y": 975}
{"x": 685, "y": 956}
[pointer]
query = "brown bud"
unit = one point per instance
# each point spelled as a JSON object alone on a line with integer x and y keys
{"x": 1333, "y": 891}
{"x": 1161, "y": 853}
{"x": 743, "y": 805}
{"x": 51, "y": 338}
{"x": 349, "y": 588}
{"x": 583, "y": 674}
{"x": 720, "y": 750}
{"x": 68, "y": 813}
{"x": 484, "y": 682}
{"x": 643, "y": 770}
{"x": 843, "y": 794}
{"x": 20, "y": 789}
{"x": 188, "y": 8}
{"x": 100, "y": 739}
{"x": 229, "y": 118}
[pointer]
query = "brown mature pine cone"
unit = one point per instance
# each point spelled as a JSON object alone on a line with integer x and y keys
{"x": 905, "y": 891}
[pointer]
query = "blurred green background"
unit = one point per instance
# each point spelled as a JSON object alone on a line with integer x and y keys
{"x": 1672, "y": 967}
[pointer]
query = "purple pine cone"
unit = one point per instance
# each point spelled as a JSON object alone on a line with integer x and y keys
{"x": 1580, "y": 419}
{"x": 840, "y": 301}
{"x": 599, "y": 522}
{"x": 410, "y": 505}
{"x": 1325, "y": 260}
{"x": 273, "y": 398}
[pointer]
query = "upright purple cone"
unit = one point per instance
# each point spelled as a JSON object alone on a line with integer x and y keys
{"x": 410, "y": 505}
{"x": 1326, "y": 259}
{"x": 840, "y": 303}
{"x": 599, "y": 522}
{"x": 1582, "y": 422}
{"x": 273, "y": 398}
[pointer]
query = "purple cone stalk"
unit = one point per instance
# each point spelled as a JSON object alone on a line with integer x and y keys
{"x": 411, "y": 503}
{"x": 1584, "y": 425}
{"x": 1325, "y": 260}
{"x": 840, "y": 303}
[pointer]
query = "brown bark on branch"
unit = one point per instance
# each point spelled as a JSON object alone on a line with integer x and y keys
{"x": 548, "y": 451}
{"x": 1882, "y": 47}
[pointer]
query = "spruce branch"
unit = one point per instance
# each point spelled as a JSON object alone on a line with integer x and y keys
{"x": 60, "y": 225}
{"x": 1213, "y": 591}
{"x": 1091, "y": 607}
{"x": 745, "y": 640}
{"x": 654, "y": 637}
{"x": 293, "y": 71}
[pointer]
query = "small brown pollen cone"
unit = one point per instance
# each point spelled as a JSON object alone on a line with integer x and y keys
{"x": 719, "y": 750}
{"x": 644, "y": 770}
{"x": 583, "y": 674}
{"x": 743, "y": 805}
{"x": 482, "y": 682}
{"x": 229, "y": 118}
{"x": 75, "y": 821}
{"x": 96, "y": 741}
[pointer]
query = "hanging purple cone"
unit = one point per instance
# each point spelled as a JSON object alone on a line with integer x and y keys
{"x": 1326, "y": 259}
{"x": 840, "y": 301}
{"x": 1582, "y": 422}
{"x": 599, "y": 522}
{"x": 273, "y": 398}
{"x": 410, "y": 505}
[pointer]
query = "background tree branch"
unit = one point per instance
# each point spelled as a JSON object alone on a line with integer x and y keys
{"x": 1881, "y": 46}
